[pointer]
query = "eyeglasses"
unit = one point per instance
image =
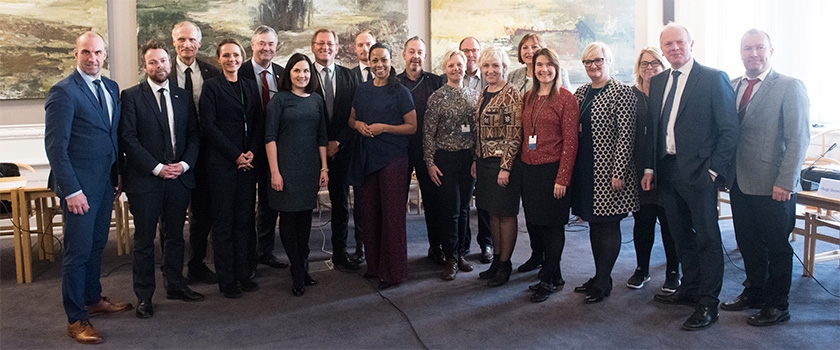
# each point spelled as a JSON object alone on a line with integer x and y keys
{"x": 324, "y": 43}
{"x": 470, "y": 51}
{"x": 652, "y": 64}
{"x": 597, "y": 62}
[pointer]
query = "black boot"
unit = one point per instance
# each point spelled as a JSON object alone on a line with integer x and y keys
{"x": 502, "y": 276}
{"x": 494, "y": 266}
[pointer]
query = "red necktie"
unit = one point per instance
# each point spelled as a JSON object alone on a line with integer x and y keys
{"x": 745, "y": 100}
{"x": 265, "y": 95}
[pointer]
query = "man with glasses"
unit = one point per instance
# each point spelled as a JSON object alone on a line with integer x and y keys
{"x": 696, "y": 131}
{"x": 267, "y": 76}
{"x": 337, "y": 88}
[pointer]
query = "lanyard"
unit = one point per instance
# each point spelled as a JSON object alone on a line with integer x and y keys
{"x": 244, "y": 115}
{"x": 593, "y": 98}
{"x": 534, "y": 122}
{"x": 524, "y": 84}
{"x": 418, "y": 83}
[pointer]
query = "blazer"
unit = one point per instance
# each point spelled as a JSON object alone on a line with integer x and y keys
{"x": 246, "y": 71}
{"x": 774, "y": 136}
{"x": 80, "y": 140}
{"x": 345, "y": 89}
{"x": 207, "y": 71}
{"x": 706, "y": 128}
{"x": 144, "y": 136}
{"x": 229, "y": 127}
{"x": 357, "y": 74}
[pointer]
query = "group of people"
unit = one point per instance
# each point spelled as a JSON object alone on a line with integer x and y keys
{"x": 218, "y": 143}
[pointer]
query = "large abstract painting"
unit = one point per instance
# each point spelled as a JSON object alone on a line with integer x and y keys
{"x": 294, "y": 20}
{"x": 566, "y": 26}
{"x": 37, "y": 38}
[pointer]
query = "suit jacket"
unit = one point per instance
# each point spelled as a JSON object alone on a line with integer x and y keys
{"x": 345, "y": 89}
{"x": 144, "y": 135}
{"x": 207, "y": 71}
{"x": 706, "y": 128}
{"x": 80, "y": 140}
{"x": 357, "y": 74}
{"x": 246, "y": 71}
{"x": 229, "y": 127}
{"x": 774, "y": 136}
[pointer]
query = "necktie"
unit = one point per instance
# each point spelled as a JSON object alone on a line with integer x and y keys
{"x": 666, "y": 112}
{"x": 745, "y": 100}
{"x": 168, "y": 147}
{"x": 329, "y": 96}
{"x": 98, "y": 84}
{"x": 367, "y": 73}
{"x": 265, "y": 91}
{"x": 188, "y": 85}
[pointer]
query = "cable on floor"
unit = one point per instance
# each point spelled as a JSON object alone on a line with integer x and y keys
{"x": 405, "y": 316}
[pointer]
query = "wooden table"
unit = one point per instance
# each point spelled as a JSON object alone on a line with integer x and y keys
{"x": 13, "y": 195}
{"x": 812, "y": 222}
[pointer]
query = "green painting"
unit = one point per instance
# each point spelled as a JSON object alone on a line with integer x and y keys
{"x": 566, "y": 26}
{"x": 294, "y": 20}
{"x": 37, "y": 38}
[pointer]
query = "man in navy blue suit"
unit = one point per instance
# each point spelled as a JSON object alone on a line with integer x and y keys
{"x": 693, "y": 109}
{"x": 82, "y": 115}
{"x": 160, "y": 138}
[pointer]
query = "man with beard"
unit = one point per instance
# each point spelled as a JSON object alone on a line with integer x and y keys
{"x": 160, "y": 138}
{"x": 363, "y": 43}
{"x": 267, "y": 76}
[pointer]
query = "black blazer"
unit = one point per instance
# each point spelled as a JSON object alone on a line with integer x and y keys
{"x": 246, "y": 71}
{"x": 231, "y": 128}
{"x": 345, "y": 89}
{"x": 144, "y": 135}
{"x": 357, "y": 74}
{"x": 706, "y": 129}
{"x": 208, "y": 71}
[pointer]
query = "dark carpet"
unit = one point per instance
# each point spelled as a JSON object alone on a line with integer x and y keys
{"x": 345, "y": 311}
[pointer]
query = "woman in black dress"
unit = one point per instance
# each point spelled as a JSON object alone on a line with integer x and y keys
{"x": 233, "y": 124}
{"x": 296, "y": 147}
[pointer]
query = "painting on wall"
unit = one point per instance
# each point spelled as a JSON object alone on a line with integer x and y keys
{"x": 37, "y": 38}
{"x": 294, "y": 20}
{"x": 566, "y": 26}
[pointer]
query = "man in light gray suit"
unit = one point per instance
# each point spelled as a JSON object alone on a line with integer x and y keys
{"x": 773, "y": 110}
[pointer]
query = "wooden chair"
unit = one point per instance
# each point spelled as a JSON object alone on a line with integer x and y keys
{"x": 414, "y": 186}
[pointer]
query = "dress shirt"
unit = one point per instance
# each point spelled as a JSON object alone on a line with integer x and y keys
{"x": 364, "y": 69}
{"x": 170, "y": 117}
{"x": 197, "y": 79}
{"x": 320, "y": 70}
{"x": 473, "y": 81}
{"x": 670, "y": 143}
{"x": 269, "y": 77}
{"x": 105, "y": 94}
{"x": 761, "y": 77}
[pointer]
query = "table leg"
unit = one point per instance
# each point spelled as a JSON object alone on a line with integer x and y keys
{"x": 16, "y": 223}
{"x": 26, "y": 239}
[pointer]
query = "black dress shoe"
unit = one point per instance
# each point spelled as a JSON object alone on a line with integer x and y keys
{"x": 250, "y": 286}
{"x": 186, "y": 295}
{"x": 309, "y": 281}
{"x": 357, "y": 257}
{"x": 742, "y": 302}
{"x": 232, "y": 292}
{"x": 486, "y": 255}
{"x": 272, "y": 261}
{"x": 532, "y": 264}
{"x": 298, "y": 291}
{"x": 583, "y": 288}
{"x": 595, "y": 295}
{"x": 702, "y": 318}
{"x": 675, "y": 298}
{"x": 343, "y": 264}
{"x": 144, "y": 308}
{"x": 542, "y": 292}
{"x": 769, "y": 316}
{"x": 201, "y": 273}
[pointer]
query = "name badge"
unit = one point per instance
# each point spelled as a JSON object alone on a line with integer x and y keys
{"x": 532, "y": 142}
{"x": 465, "y": 128}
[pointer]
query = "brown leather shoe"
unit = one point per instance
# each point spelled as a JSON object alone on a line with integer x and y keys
{"x": 450, "y": 269}
{"x": 463, "y": 265}
{"x": 83, "y": 332}
{"x": 105, "y": 306}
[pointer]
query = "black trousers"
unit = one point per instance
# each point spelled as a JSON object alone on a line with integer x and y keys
{"x": 167, "y": 204}
{"x": 762, "y": 226}
{"x": 340, "y": 212}
{"x": 427, "y": 189}
{"x": 605, "y": 240}
{"x": 201, "y": 215}
{"x": 553, "y": 239}
{"x": 233, "y": 197}
{"x": 644, "y": 234}
{"x": 452, "y": 200}
{"x": 483, "y": 238}
{"x": 693, "y": 220}
{"x": 294, "y": 233}
{"x": 266, "y": 220}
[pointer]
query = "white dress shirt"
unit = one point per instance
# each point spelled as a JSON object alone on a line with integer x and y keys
{"x": 670, "y": 143}
{"x": 761, "y": 77}
{"x": 365, "y": 70}
{"x": 320, "y": 70}
{"x": 197, "y": 80}
{"x": 170, "y": 117}
{"x": 269, "y": 78}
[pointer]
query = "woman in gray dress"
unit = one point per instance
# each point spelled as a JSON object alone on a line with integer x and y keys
{"x": 296, "y": 147}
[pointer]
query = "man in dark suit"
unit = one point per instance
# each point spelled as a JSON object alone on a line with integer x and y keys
{"x": 693, "y": 109}
{"x": 267, "y": 76}
{"x": 160, "y": 138}
{"x": 364, "y": 41}
{"x": 82, "y": 115}
{"x": 774, "y": 115}
{"x": 338, "y": 88}
{"x": 186, "y": 37}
